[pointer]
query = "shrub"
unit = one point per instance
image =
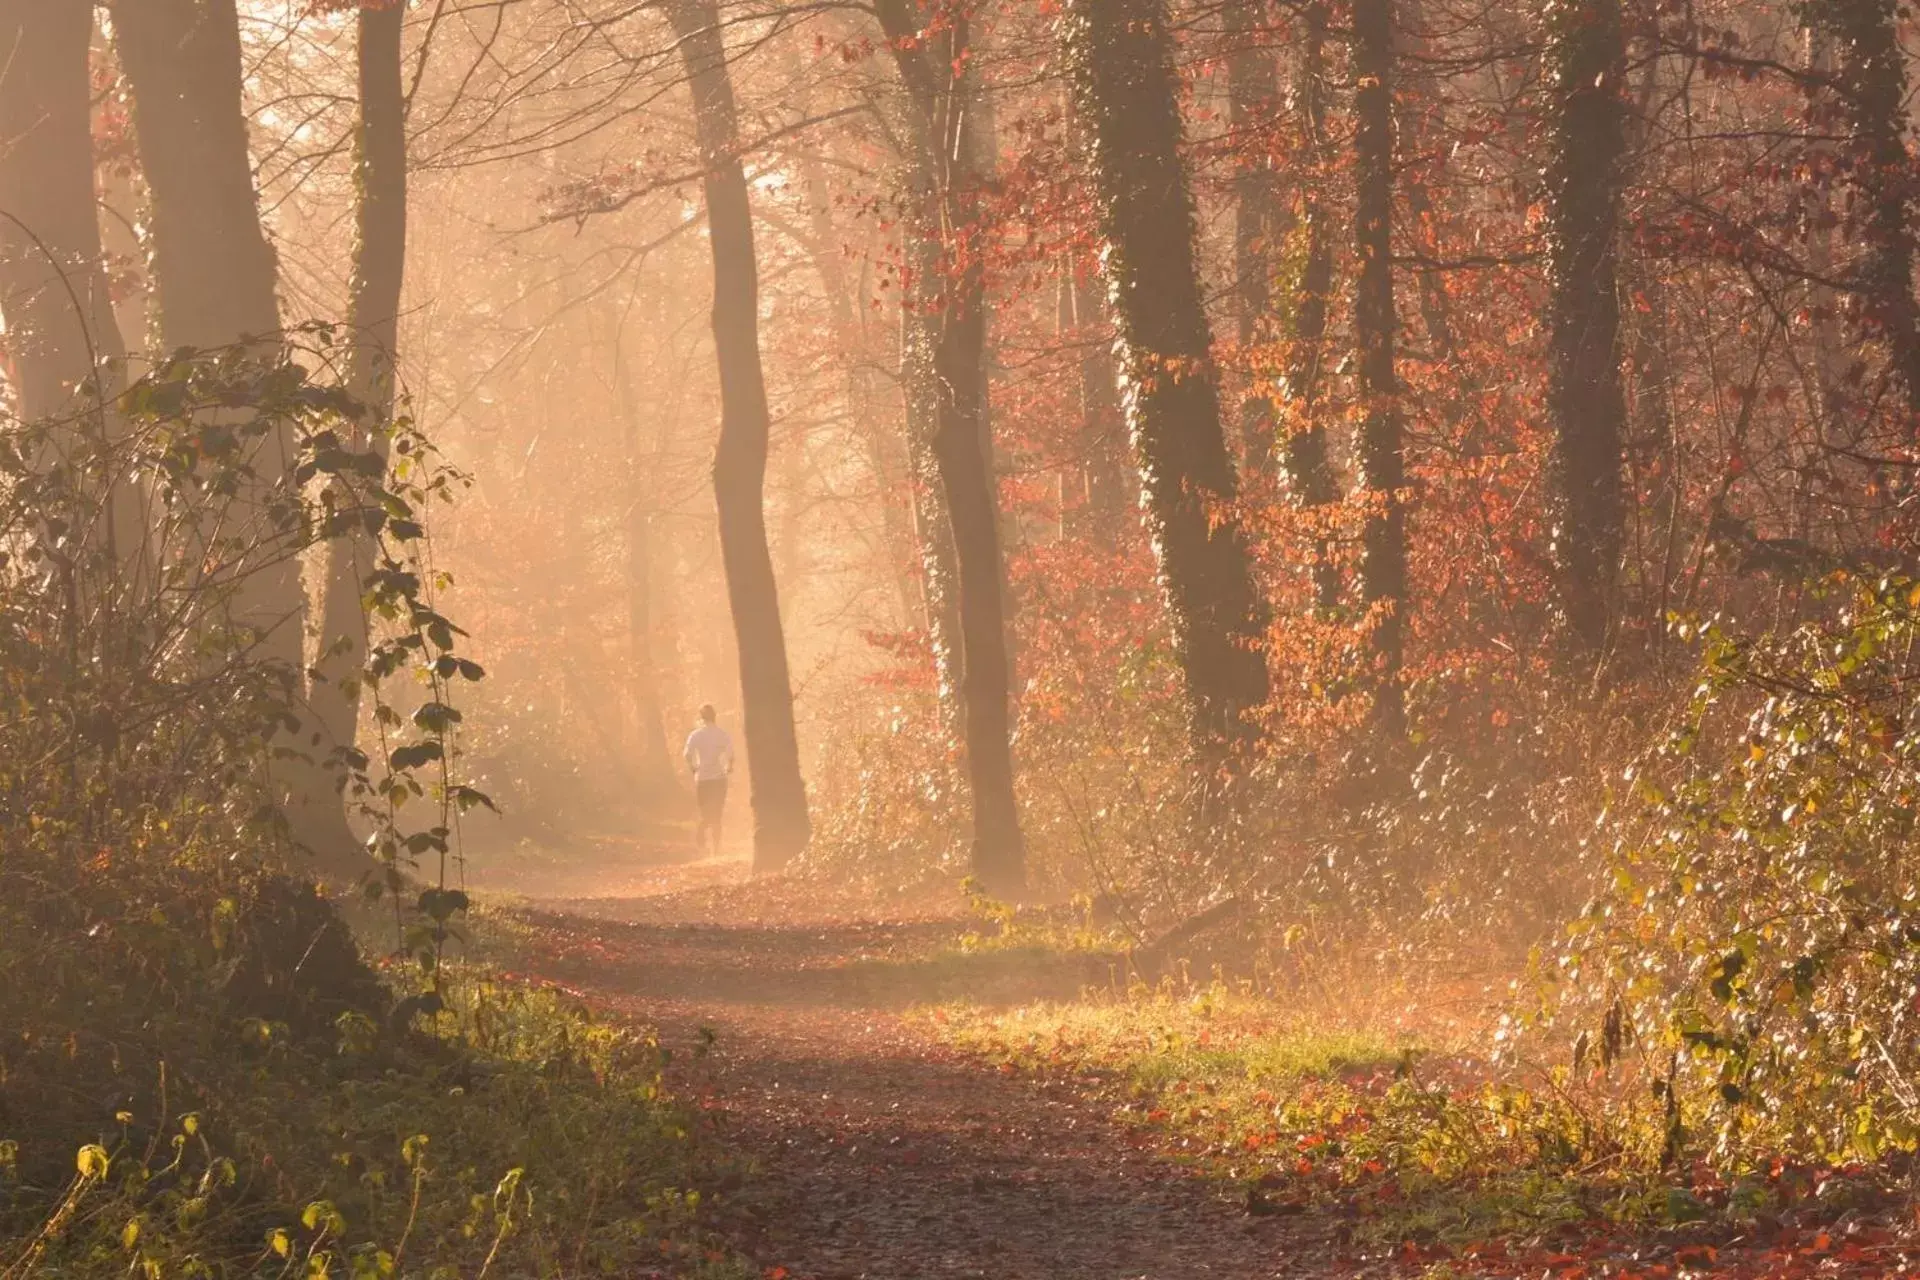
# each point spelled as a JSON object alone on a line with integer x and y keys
{"x": 199, "y": 1075}
{"x": 1754, "y": 954}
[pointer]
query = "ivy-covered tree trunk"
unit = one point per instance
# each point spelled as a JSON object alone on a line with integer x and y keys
{"x": 1869, "y": 86}
{"x": 933, "y": 530}
{"x": 1253, "y": 102}
{"x": 1308, "y": 470}
{"x": 1382, "y": 461}
{"x": 781, "y": 826}
{"x": 950, "y": 296}
{"x": 373, "y": 317}
{"x": 1586, "y": 67}
{"x": 1104, "y": 502}
{"x": 1120, "y": 61}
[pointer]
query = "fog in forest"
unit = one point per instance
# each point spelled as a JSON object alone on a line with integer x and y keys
{"x": 943, "y": 638}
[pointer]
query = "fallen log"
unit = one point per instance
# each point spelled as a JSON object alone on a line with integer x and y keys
{"x": 1155, "y": 954}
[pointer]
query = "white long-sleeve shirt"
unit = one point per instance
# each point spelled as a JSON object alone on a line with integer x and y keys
{"x": 709, "y": 753}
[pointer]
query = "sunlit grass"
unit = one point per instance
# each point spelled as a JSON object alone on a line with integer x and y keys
{"x": 1297, "y": 1112}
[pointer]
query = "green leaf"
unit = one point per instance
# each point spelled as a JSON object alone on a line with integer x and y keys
{"x": 442, "y": 904}
{"x": 415, "y": 755}
{"x": 436, "y": 717}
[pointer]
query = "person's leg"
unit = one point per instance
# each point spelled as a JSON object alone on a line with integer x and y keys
{"x": 712, "y": 795}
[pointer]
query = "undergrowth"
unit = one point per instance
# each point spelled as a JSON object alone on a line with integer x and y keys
{"x": 509, "y": 1134}
{"x": 1719, "y": 1040}
{"x": 200, "y": 1073}
{"x": 1404, "y": 1143}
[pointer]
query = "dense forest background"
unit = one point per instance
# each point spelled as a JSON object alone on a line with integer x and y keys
{"x": 1396, "y": 485}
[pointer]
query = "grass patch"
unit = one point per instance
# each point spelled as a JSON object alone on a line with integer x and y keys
{"x": 1406, "y": 1143}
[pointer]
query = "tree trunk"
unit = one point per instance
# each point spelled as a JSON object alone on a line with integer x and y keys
{"x": 1100, "y": 514}
{"x": 214, "y": 277}
{"x": 656, "y": 776}
{"x": 1382, "y": 464}
{"x": 1586, "y": 66}
{"x": 379, "y": 266}
{"x": 845, "y": 304}
{"x": 1415, "y": 111}
{"x": 1120, "y": 60}
{"x": 1870, "y": 85}
{"x": 1652, "y": 455}
{"x": 1253, "y": 98}
{"x": 1824, "y": 240}
{"x": 53, "y": 285}
{"x": 981, "y": 137}
{"x": 1308, "y": 470}
{"x": 998, "y": 859}
{"x": 951, "y": 299}
{"x": 933, "y": 530}
{"x": 122, "y": 200}
{"x": 214, "y": 272}
{"x": 640, "y": 434}
{"x": 790, "y": 542}
{"x": 1109, "y": 487}
{"x": 781, "y": 826}
{"x": 61, "y": 333}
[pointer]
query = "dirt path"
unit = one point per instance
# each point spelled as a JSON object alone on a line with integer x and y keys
{"x": 880, "y": 1153}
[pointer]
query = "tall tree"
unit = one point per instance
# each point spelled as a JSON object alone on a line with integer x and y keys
{"x": 1253, "y": 102}
{"x": 1120, "y": 61}
{"x": 1416, "y": 111}
{"x": 1308, "y": 470}
{"x": 215, "y": 276}
{"x": 951, "y": 309}
{"x": 1102, "y": 507}
{"x": 932, "y": 527}
{"x": 1586, "y": 404}
{"x": 640, "y": 437}
{"x": 1651, "y": 453}
{"x": 53, "y": 287}
{"x": 884, "y": 453}
{"x": 1382, "y": 460}
{"x": 214, "y": 271}
{"x": 61, "y": 333}
{"x": 1869, "y": 88}
{"x": 781, "y": 826}
{"x": 379, "y": 267}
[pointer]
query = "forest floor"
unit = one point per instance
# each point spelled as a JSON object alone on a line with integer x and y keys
{"x": 874, "y": 1148}
{"x": 873, "y": 1143}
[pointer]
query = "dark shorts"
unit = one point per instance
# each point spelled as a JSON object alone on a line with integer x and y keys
{"x": 712, "y": 795}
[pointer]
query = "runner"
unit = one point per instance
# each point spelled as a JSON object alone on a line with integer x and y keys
{"x": 709, "y": 754}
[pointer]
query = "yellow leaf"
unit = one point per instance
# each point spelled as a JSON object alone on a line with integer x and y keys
{"x": 92, "y": 1161}
{"x": 130, "y": 1234}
